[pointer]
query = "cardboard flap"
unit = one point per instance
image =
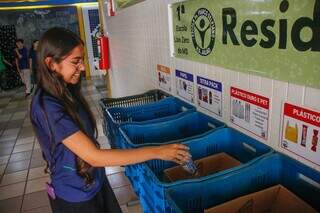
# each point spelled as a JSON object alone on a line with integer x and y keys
{"x": 276, "y": 199}
{"x": 289, "y": 202}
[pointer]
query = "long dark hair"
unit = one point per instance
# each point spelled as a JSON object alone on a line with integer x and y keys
{"x": 58, "y": 43}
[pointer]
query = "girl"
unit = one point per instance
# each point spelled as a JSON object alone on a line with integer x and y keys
{"x": 66, "y": 130}
{"x": 33, "y": 62}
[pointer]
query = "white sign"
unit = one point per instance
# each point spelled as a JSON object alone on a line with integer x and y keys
{"x": 301, "y": 132}
{"x": 164, "y": 77}
{"x": 210, "y": 95}
{"x": 250, "y": 111}
{"x": 184, "y": 84}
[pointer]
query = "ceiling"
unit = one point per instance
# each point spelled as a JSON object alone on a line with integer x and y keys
{"x": 19, "y": 3}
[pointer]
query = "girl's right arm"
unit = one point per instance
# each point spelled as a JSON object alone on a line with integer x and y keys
{"x": 83, "y": 147}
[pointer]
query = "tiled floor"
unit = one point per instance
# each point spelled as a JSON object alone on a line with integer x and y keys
{"x": 22, "y": 177}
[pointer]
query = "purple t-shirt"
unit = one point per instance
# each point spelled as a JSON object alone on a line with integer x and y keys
{"x": 67, "y": 184}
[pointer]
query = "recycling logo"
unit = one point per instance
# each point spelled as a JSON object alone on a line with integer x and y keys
{"x": 203, "y": 31}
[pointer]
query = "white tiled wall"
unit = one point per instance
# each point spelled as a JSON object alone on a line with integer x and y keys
{"x": 139, "y": 40}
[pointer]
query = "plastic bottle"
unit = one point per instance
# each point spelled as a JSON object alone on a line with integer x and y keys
{"x": 314, "y": 140}
{"x": 304, "y": 135}
{"x": 190, "y": 167}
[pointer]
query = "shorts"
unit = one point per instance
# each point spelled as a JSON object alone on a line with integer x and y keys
{"x": 103, "y": 202}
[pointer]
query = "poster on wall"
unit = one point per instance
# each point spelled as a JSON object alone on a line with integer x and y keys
{"x": 184, "y": 85}
{"x": 210, "y": 95}
{"x": 92, "y": 33}
{"x": 274, "y": 39}
{"x": 250, "y": 111}
{"x": 164, "y": 77}
{"x": 301, "y": 132}
{"x": 31, "y": 23}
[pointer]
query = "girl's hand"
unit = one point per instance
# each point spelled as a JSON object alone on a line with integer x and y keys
{"x": 174, "y": 152}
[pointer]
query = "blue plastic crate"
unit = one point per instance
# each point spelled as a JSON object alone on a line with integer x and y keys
{"x": 162, "y": 110}
{"x": 191, "y": 125}
{"x": 185, "y": 127}
{"x": 129, "y": 101}
{"x": 274, "y": 169}
{"x": 236, "y": 144}
{"x": 132, "y": 173}
{"x": 133, "y": 100}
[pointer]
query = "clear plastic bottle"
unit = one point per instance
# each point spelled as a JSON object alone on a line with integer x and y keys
{"x": 190, "y": 167}
{"x": 304, "y": 135}
{"x": 314, "y": 140}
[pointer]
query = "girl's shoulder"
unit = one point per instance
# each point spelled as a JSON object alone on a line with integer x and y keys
{"x": 43, "y": 97}
{"x": 42, "y": 102}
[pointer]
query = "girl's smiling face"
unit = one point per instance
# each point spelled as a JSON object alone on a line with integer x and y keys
{"x": 71, "y": 66}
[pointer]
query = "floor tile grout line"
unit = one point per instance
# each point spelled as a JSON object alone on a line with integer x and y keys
{"x": 25, "y": 187}
{"x": 118, "y": 187}
{"x": 11, "y": 150}
{"x": 26, "y": 177}
{"x": 6, "y": 124}
{"x": 36, "y": 207}
{"x": 14, "y": 182}
{"x": 1, "y": 178}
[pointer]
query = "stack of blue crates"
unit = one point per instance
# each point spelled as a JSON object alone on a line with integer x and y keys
{"x": 194, "y": 197}
{"x": 129, "y": 101}
{"x": 163, "y": 110}
{"x": 152, "y": 106}
{"x": 155, "y": 118}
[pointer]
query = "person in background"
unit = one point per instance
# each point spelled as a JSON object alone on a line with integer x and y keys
{"x": 22, "y": 64}
{"x": 67, "y": 133}
{"x": 33, "y": 62}
{"x": 3, "y": 63}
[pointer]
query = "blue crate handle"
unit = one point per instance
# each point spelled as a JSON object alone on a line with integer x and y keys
{"x": 193, "y": 120}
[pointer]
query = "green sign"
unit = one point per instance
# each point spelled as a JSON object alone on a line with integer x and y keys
{"x": 126, "y": 3}
{"x": 271, "y": 38}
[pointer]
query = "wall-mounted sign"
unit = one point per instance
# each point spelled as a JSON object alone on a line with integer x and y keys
{"x": 184, "y": 85}
{"x": 275, "y": 39}
{"x": 250, "y": 111}
{"x": 301, "y": 132}
{"x": 210, "y": 95}
{"x": 164, "y": 77}
{"x": 126, "y": 3}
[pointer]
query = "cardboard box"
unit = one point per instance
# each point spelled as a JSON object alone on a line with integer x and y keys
{"x": 206, "y": 166}
{"x": 274, "y": 199}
